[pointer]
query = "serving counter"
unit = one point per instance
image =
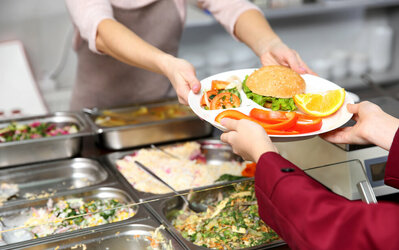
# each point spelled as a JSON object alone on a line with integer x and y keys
{"x": 95, "y": 197}
{"x": 62, "y": 186}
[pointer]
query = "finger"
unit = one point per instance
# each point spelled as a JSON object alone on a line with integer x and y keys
{"x": 193, "y": 83}
{"x": 230, "y": 124}
{"x": 227, "y": 137}
{"x": 182, "y": 92}
{"x": 183, "y": 101}
{"x": 224, "y": 137}
{"x": 337, "y": 136}
{"x": 294, "y": 62}
{"x": 355, "y": 117}
{"x": 305, "y": 67}
{"x": 352, "y": 108}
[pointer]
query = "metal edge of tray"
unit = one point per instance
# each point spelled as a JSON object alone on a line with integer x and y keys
{"x": 124, "y": 226}
{"x": 147, "y": 133}
{"x": 48, "y": 148}
{"x": 141, "y": 214}
{"x": 111, "y": 158}
{"x": 119, "y": 137}
{"x": 156, "y": 208}
{"x": 91, "y": 117}
{"x": 96, "y": 164}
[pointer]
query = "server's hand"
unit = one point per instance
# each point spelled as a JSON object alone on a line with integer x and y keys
{"x": 373, "y": 126}
{"x": 248, "y": 139}
{"x": 182, "y": 76}
{"x": 275, "y": 52}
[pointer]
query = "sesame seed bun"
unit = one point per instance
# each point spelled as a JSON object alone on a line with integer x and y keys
{"x": 276, "y": 81}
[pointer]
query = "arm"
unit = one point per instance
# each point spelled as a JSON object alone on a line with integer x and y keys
{"x": 373, "y": 126}
{"x": 246, "y": 22}
{"x": 106, "y": 35}
{"x": 391, "y": 177}
{"x": 253, "y": 29}
{"x": 308, "y": 216}
{"x": 301, "y": 210}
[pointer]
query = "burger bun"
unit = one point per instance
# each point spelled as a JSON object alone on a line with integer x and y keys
{"x": 276, "y": 81}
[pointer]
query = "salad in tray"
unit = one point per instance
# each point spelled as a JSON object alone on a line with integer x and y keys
{"x": 283, "y": 102}
{"x": 231, "y": 222}
{"x": 18, "y": 132}
{"x": 62, "y": 216}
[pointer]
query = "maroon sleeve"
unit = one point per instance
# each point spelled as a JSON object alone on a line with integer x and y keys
{"x": 308, "y": 216}
{"x": 392, "y": 168}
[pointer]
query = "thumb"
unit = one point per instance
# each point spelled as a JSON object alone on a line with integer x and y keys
{"x": 353, "y": 108}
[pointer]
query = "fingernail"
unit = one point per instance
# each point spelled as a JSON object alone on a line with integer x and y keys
{"x": 196, "y": 88}
{"x": 303, "y": 70}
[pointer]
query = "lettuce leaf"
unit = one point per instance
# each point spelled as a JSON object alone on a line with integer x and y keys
{"x": 277, "y": 103}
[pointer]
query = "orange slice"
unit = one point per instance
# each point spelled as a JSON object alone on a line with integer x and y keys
{"x": 320, "y": 104}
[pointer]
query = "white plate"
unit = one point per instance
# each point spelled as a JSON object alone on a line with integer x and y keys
{"x": 314, "y": 84}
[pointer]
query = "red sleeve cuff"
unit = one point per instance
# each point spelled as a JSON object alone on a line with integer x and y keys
{"x": 392, "y": 168}
{"x": 272, "y": 168}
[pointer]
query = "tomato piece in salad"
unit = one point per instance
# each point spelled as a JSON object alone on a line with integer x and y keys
{"x": 218, "y": 84}
{"x": 225, "y": 100}
{"x": 210, "y": 94}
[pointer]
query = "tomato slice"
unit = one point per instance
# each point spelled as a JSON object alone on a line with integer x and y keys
{"x": 217, "y": 84}
{"x": 307, "y": 124}
{"x": 225, "y": 100}
{"x": 209, "y": 93}
{"x": 273, "y": 128}
{"x": 304, "y": 124}
{"x": 268, "y": 116}
{"x": 249, "y": 170}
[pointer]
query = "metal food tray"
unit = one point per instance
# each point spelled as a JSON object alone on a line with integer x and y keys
{"x": 162, "y": 207}
{"x": 131, "y": 236}
{"x": 47, "y": 148}
{"x": 49, "y": 178}
{"x": 127, "y": 136}
{"x": 214, "y": 150}
{"x": 9, "y": 214}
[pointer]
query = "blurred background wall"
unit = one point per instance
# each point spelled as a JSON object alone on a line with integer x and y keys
{"x": 335, "y": 38}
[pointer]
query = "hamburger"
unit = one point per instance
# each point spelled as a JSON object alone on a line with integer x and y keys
{"x": 274, "y": 87}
